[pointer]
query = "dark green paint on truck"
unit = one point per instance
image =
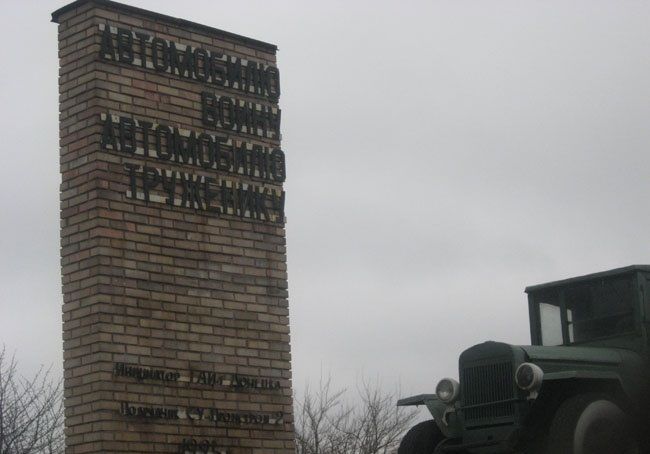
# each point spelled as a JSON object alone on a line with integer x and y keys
{"x": 589, "y": 338}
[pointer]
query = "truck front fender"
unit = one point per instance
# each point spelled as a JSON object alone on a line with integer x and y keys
{"x": 444, "y": 415}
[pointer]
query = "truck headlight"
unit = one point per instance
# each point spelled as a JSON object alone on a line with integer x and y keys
{"x": 529, "y": 377}
{"x": 448, "y": 390}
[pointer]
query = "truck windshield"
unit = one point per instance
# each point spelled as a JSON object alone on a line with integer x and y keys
{"x": 587, "y": 311}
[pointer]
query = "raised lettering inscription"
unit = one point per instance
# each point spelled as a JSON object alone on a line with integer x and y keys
{"x": 196, "y": 377}
{"x": 140, "y": 49}
{"x": 197, "y": 149}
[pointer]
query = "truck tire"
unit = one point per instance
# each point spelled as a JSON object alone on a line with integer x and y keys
{"x": 591, "y": 424}
{"x": 421, "y": 439}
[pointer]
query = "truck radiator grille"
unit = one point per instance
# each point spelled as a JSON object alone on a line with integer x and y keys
{"x": 484, "y": 388}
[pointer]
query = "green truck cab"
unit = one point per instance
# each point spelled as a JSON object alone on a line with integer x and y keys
{"x": 582, "y": 387}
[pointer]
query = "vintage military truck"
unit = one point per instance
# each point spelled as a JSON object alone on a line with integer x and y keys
{"x": 582, "y": 387}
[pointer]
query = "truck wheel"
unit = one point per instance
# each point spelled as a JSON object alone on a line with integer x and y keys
{"x": 591, "y": 424}
{"x": 421, "y": 439}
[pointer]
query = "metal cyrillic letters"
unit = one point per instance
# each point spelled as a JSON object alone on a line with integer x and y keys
{"x": 134, "y": 48}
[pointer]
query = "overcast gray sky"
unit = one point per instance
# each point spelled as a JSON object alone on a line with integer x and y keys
{"x": 442, "y": 155}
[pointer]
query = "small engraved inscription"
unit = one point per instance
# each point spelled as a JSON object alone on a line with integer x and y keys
{"x": 144, "y": 373}
{"x": 148, "y": 412}
{"x": 194, "y": 446}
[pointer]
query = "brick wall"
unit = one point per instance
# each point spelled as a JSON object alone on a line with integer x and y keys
{"x": 175, "y": 316}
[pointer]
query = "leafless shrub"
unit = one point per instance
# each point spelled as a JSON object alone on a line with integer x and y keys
{"x": 327, "y": 424}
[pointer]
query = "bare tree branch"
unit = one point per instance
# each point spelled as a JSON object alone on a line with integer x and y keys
{"x": 31, "y": 411}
